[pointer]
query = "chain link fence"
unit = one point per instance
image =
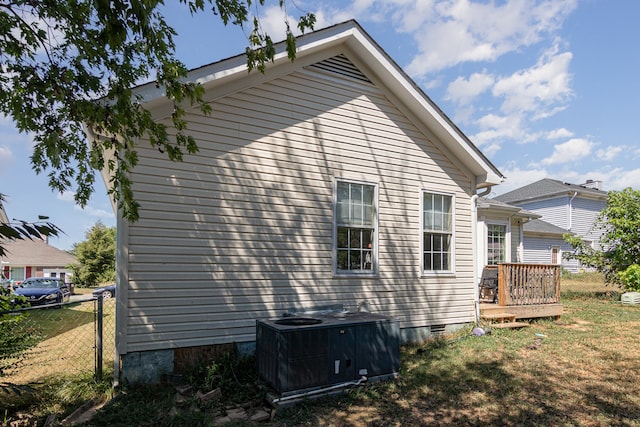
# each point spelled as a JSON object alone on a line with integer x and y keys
{"x": 42, "y": 342}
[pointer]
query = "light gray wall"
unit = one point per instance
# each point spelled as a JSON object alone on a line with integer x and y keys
{"x": 242, "y": 230}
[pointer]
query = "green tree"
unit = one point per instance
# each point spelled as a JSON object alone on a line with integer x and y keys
{"x": 96, "y": 256}
{"x": 66, "y": 64}
{"x": 620, "y": 242}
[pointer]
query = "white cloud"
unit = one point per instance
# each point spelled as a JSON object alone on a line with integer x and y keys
{"x": 95, "y": 212}
{"x": 465, "y": 31}
{"x": 494, "y": 127}
{"x": 538, "y": 89}
{"x": 463, "y": 90}
{"x": 620, "y": 179}
{"x": 517, "y": 177}
{"x": 561, "y": 133}
{"x": 6, "y": 160}
{"x": 609, "y": 153}
{"x": 66, "y": 196}
{"x": 569, "y": 151}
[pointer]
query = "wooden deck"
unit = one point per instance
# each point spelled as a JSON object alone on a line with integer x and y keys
{"x": 522, "y": 291}
{"x": 521, "y": 311}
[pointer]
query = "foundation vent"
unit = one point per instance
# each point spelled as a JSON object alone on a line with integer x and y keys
{"x": 437, "y": 330}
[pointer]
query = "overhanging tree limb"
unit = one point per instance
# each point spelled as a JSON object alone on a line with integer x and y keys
{"x": 67, "y": 64}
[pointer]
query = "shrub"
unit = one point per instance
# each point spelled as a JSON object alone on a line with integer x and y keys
{"x": 630, "y": 278}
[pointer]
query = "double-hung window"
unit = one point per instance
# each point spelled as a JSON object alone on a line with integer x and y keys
{"x": 496, "y": 243}
{"x": 437, "y": 230}
{"x": 355, "y": 227}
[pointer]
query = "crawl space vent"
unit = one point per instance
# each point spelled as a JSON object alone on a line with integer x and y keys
{"x": 437, "y": 330}
{"x": 630, "y": 298}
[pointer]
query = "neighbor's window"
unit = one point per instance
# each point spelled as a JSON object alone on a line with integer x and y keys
{"x": 355, "y": 227}
{"x": 496, "y": 243}
{"x": 437, "y": 212}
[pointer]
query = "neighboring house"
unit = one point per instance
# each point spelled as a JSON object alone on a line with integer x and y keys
{"x": 572, "y": 208}
{"x": 332, "y": 180}
{"x": 32, "y": 258}
{"x": 543, "y": 243}
{"x": 35, "y": 258}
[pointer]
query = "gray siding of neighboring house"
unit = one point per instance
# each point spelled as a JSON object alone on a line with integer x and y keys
{"x": 537, "y": 250}
{"x": 243, "y": 229}
{"x": 583, "y": 215}
{"x": 554, "y": 211}
{"x": 515, "y": 240}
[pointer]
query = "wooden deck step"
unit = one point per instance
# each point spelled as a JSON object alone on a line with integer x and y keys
{"x": 499, "y": 317}
{"x": 509, "y": 325}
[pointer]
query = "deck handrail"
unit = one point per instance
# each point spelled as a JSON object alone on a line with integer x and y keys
{"x": 527, "y": 284}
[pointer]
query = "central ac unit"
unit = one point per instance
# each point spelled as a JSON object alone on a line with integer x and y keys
{"x": 296, "y": 354}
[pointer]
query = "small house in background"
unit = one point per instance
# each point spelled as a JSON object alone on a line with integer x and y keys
{"x": 569, "y": 207}
{"x": 32, "y": 258}
{"x": 35, "y": 258}
{"x": 543, "y": 243}
{"x": 330, "y": 181}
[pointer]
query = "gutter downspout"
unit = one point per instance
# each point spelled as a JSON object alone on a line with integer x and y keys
{"x": 570, "y": 209}
{"x": 474, "y": 242}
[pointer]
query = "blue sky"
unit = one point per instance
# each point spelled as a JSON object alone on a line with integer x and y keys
{"x": 546, "y": 89}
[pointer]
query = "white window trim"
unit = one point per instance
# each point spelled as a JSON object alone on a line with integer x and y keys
{"x": 507, "y": 239}
{"x": 374, "y": 255}
{"x": 434, "y": 273}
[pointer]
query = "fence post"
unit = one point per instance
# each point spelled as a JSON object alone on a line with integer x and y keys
{"x": 99, "y": 317}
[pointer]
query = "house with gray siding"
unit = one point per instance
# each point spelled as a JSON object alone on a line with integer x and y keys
{"x": 567, "y": 207}
{"x": 330, "y": 180}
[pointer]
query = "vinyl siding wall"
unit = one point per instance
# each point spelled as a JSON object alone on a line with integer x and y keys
{"x": 584, "y": 213}
{"x": 537, "y": 250}
{"x": 243, "y": 230}
{"x": 554, "y": 211}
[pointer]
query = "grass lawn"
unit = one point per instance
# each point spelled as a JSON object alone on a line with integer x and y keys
{"x": 581, "y": 370}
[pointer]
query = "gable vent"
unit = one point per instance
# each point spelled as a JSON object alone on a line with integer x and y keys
{"x": 342, "y": 66}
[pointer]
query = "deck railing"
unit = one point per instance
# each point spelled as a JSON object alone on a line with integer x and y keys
{"x": 528, "y": 284}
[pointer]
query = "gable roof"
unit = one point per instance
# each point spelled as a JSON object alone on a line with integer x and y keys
{"x": 4, "y": 219}
{"x": 35, "y": 253}
{"x": 370, "y": 60}
{"x": 496, "y": 205}
{"x": 546, "y": 188}
{"x": 538, "y": 226}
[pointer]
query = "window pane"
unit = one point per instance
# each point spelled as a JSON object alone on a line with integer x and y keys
{"x": 354, "y": 239}
{"x": 428, "y": 212}
{"x": 343, "y": 237}
{"x": 437, "y": 261}
{"x": 437, "y": 252}
{"x": 427, "y": 242}
{"x": 445, "y": 261}
{"x": 437, "y": 212}
{"x": 354, "y": 259}
{"x": 446, "y": 243}
{"x": 343, "y": 192}
{"x": 496, "y": 243}
{"x": 355, "y": 221}
{"x": 427, "y": 262}
{"x": 343, "y": 260}
{"x": 342, "y": 212}
{"x": 368, "y": 260}
{"x": 437, "y": 242}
